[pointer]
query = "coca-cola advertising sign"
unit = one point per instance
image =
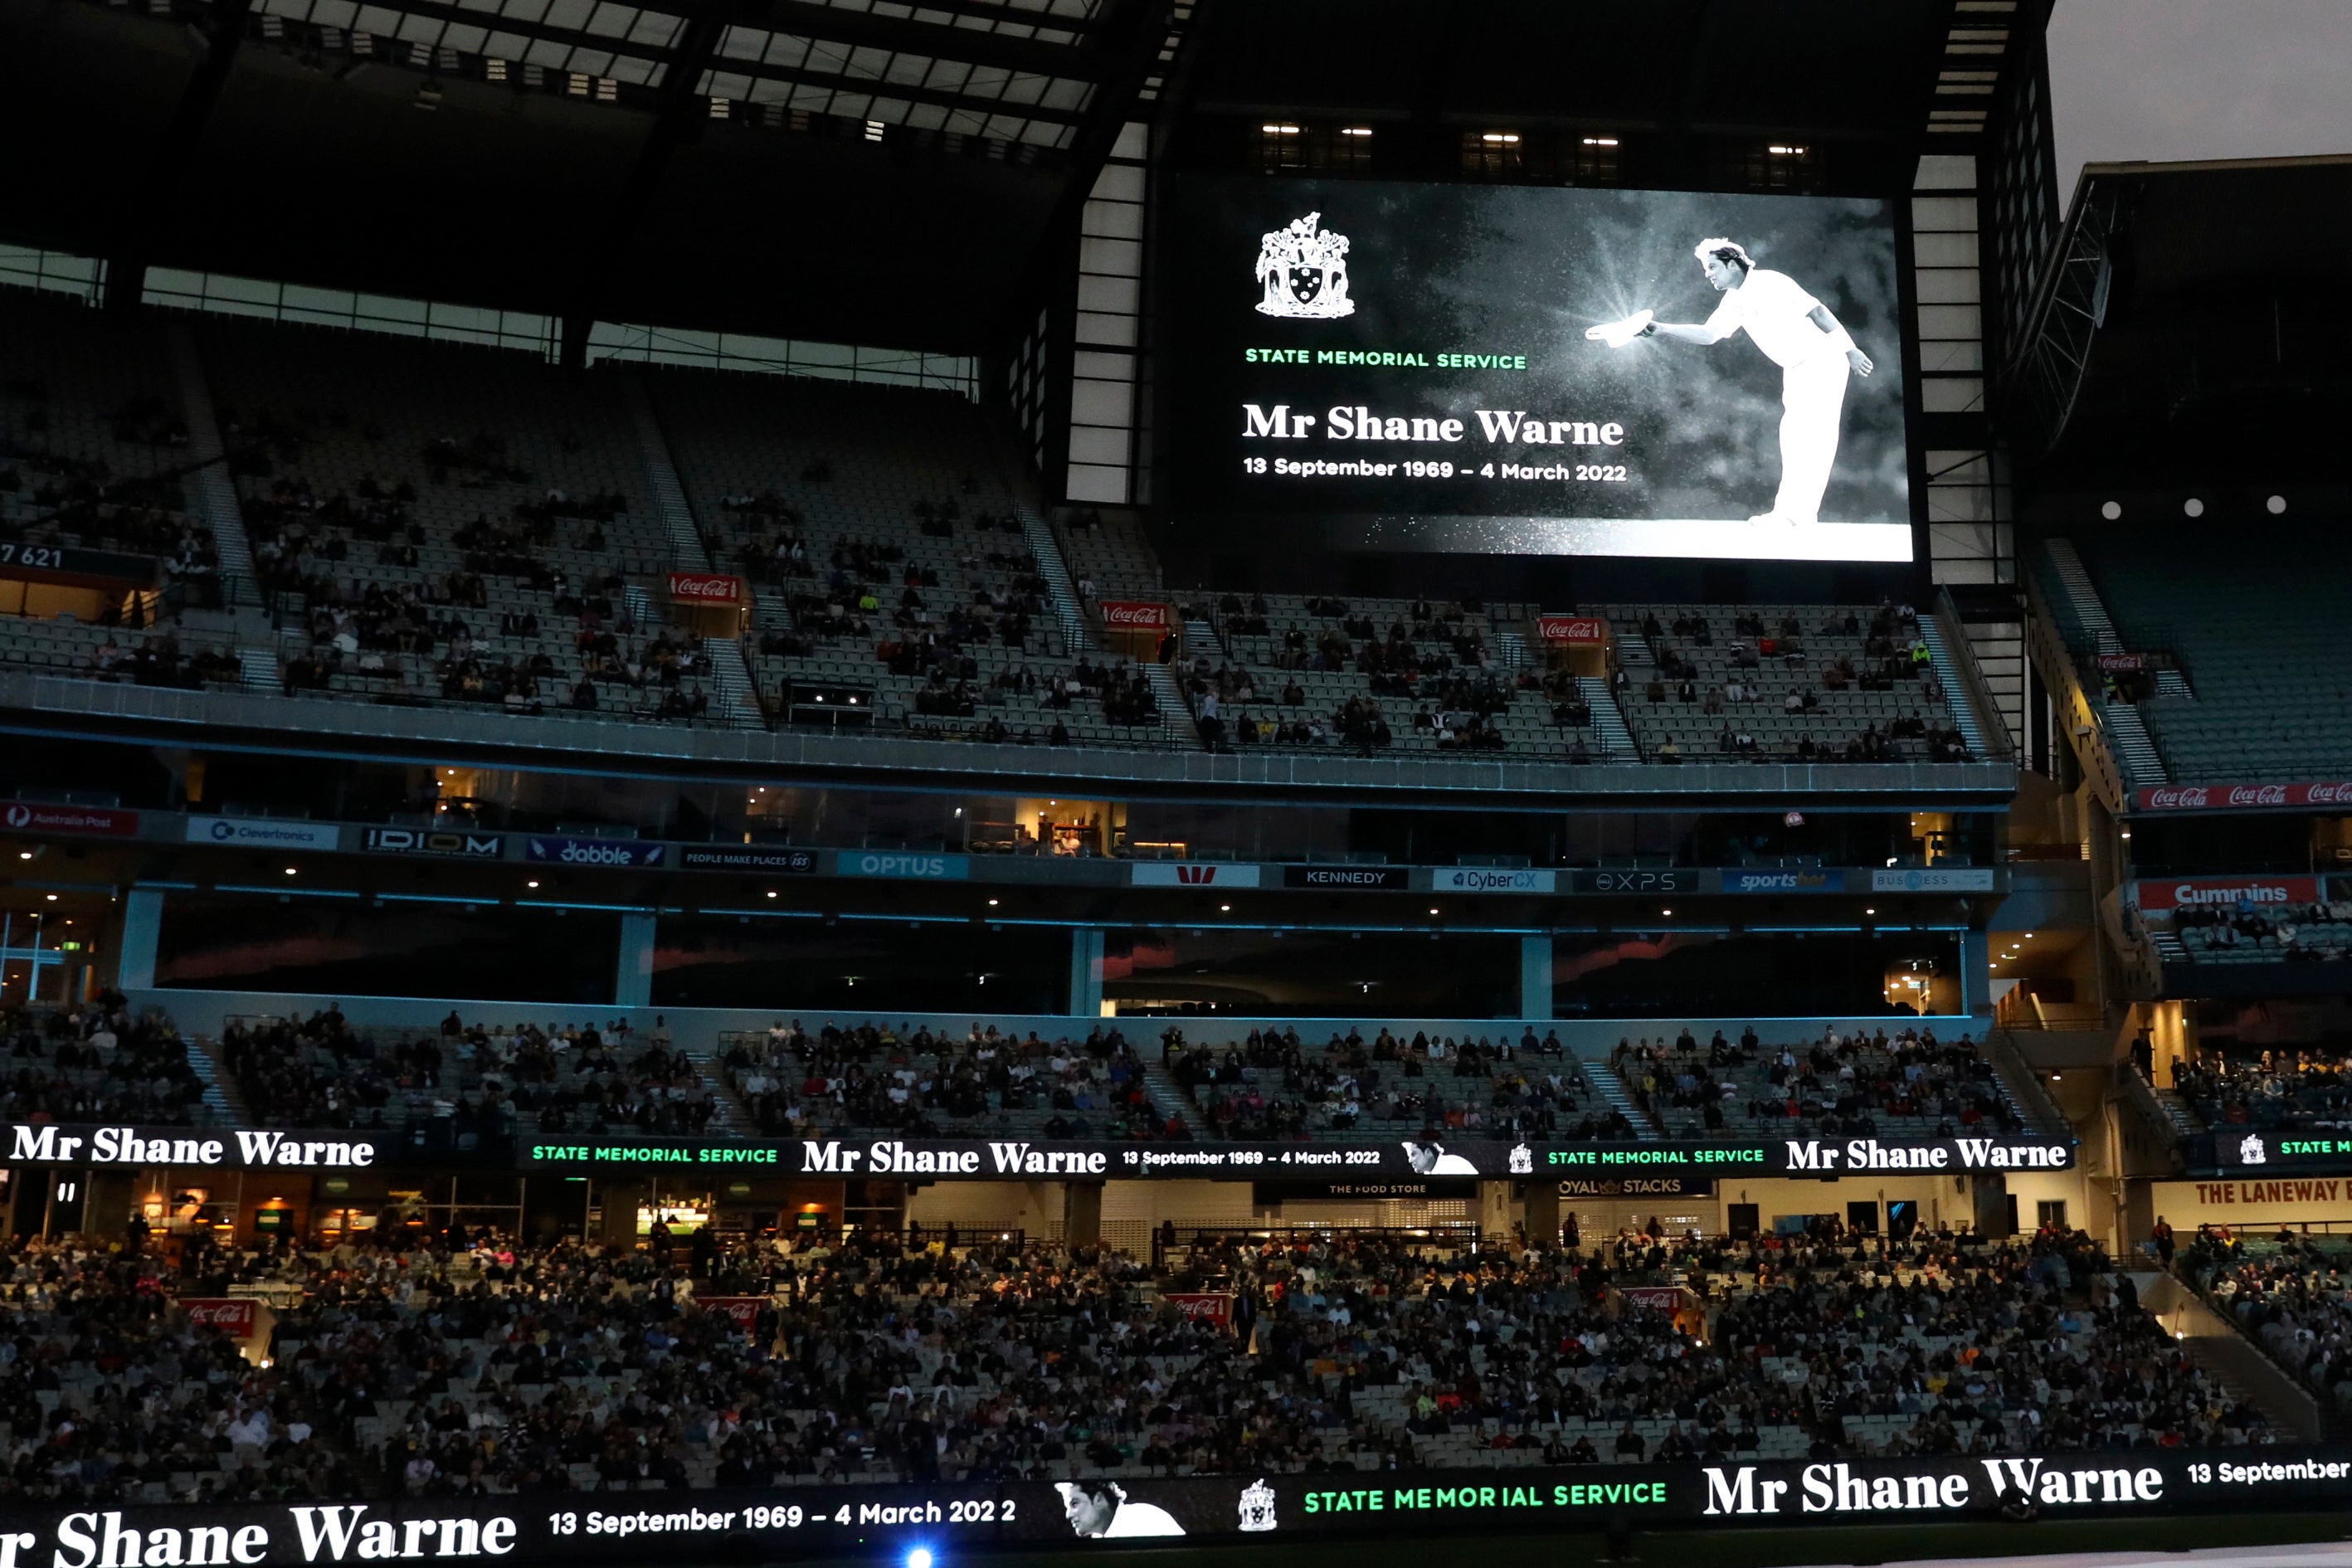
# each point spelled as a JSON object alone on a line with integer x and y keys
{"x": 2228, "y": 892}
{"x": 706, "y": 588}
{"x": 1133, "y": 616}
{"x": 2123, "y": 663}
{"x": 231, "y": 1315}
{"x": 2243, "y": 797}
{"x": 742, "y": 1310}
{"x": 1657, "y": 1298}
{"x": 1203, "y": 1306}
{"x": 1572, "y": 631}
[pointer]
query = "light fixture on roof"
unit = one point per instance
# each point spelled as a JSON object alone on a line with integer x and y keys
{"x": 1279, "y": 130}
{"x": 533, "y": 883}
{"x": 1778, "y": 151}
{"x": 1501, "y": 137}
{"x": 2111, "y": 509}
{"x": 2275, "y": 505}
{"x": 1601, "y": 142}
{"x": 1355, "y": 131}
{"x": 874, "y": 131}
{"x": 2192, "y": 507}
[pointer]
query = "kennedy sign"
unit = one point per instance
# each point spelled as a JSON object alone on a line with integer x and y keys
{"x": 1133, "y": 616}
{"x": 2243, "y": 797}
{"x": 2226, "y": 892}
{"x": 706, "y": 588}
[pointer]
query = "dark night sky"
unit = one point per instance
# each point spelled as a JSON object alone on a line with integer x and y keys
{"x": 2176, "y": 79}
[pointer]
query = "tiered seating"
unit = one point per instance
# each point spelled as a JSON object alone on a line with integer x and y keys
{"x": 467, "y": 1085}
{"x": 1904, "y": 1084}
{"x": 1703, "y": 676}
{"x": 93, "y": 442}
{"x": 2259, "y": 635}
{"x": 97, "y": 1064}
{"x": 1109, "y": 557}
{"x": 400, "y": 1366}
{"x": 883, "y": 545}
{"x": 460, "y": 525}
{"x": 2288, "y": 1294}
{"x": 159, "y": 655}
{"x": 1272, "y": 1084}
{"x": 2314, "y": 933}
{"x": 794, "y": 1083}
{"x": 2306, "y": 1088}
{"x": 1308, "y": 670}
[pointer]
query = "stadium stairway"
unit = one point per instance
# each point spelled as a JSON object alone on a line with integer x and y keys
{"x": 737, "y": 693}
{"x": 1608, "y": 720}
{"x": 1593, "y": 1057}
{"x": 1954, "y": 684}
{"x": 2127, "y": 734}
{"x": 1067, "y": 612}
{"x": 247, "y": 627}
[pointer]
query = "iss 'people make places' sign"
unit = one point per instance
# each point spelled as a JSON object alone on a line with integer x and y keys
{"x": 1542, "y": 370}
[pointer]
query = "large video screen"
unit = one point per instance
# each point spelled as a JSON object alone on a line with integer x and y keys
{"x": 1536, "y": 370}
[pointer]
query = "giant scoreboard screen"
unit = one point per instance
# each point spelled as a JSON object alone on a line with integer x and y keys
{"x": 1538, "y": 370}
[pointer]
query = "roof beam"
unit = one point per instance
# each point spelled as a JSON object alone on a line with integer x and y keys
{"x": 174, "y": 152}
{"x": 911, "y": 35}
{"x": 962, "y": 103}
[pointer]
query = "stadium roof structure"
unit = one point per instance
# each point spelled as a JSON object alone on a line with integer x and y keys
{"x": 883, "y": 172}
{"x": 2185, "y": 326}
{"x": 893, "y": 172}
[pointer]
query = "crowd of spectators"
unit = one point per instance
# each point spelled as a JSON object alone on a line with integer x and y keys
{"x": 2294, "y": 933}
{"x": 465, "y": 1085}
{"x": 2287, "y": 1293}
{"x": 452, "y": 1363}
{"x": 97, "y": 1063}
{"x": 2308, "y": 1086}
{"x": 1842, "y": 1082}
{"x": 1271, "y": 1084}
{"x": 797, "y": 1083}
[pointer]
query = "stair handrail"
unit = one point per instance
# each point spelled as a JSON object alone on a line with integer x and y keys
{"x": 1999, "y": 743}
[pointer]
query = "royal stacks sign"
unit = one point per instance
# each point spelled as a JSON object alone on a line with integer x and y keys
{"x": 2226, "y": 893}
{"x": 2243, "y": 797}
{"x": 706, "y": 588}
{"x": 1572, "y": 631}
{"x": 1134, "y": 615}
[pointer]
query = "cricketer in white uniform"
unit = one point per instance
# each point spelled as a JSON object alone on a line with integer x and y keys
{"x": 1796, "y": 332}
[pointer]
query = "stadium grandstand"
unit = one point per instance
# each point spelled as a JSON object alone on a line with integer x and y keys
{"x": 979, "y": 777}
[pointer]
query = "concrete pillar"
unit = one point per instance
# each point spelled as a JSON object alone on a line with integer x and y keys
{"x": 1976, "y": 971}
{"x": 621, "y": 1196}
{"x": 1535, "y": 977}
{"x": 106, "y": 1216}
{"x": 1082, "y": 1213}
{"x": 1543, "y": 1213}
{"x": 143, "y": 922}
{"x": 633, "y": 976}
{"x": 1086, "y": 992}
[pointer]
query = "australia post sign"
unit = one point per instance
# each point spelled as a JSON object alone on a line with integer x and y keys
{"x": 2243, "y": 797}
